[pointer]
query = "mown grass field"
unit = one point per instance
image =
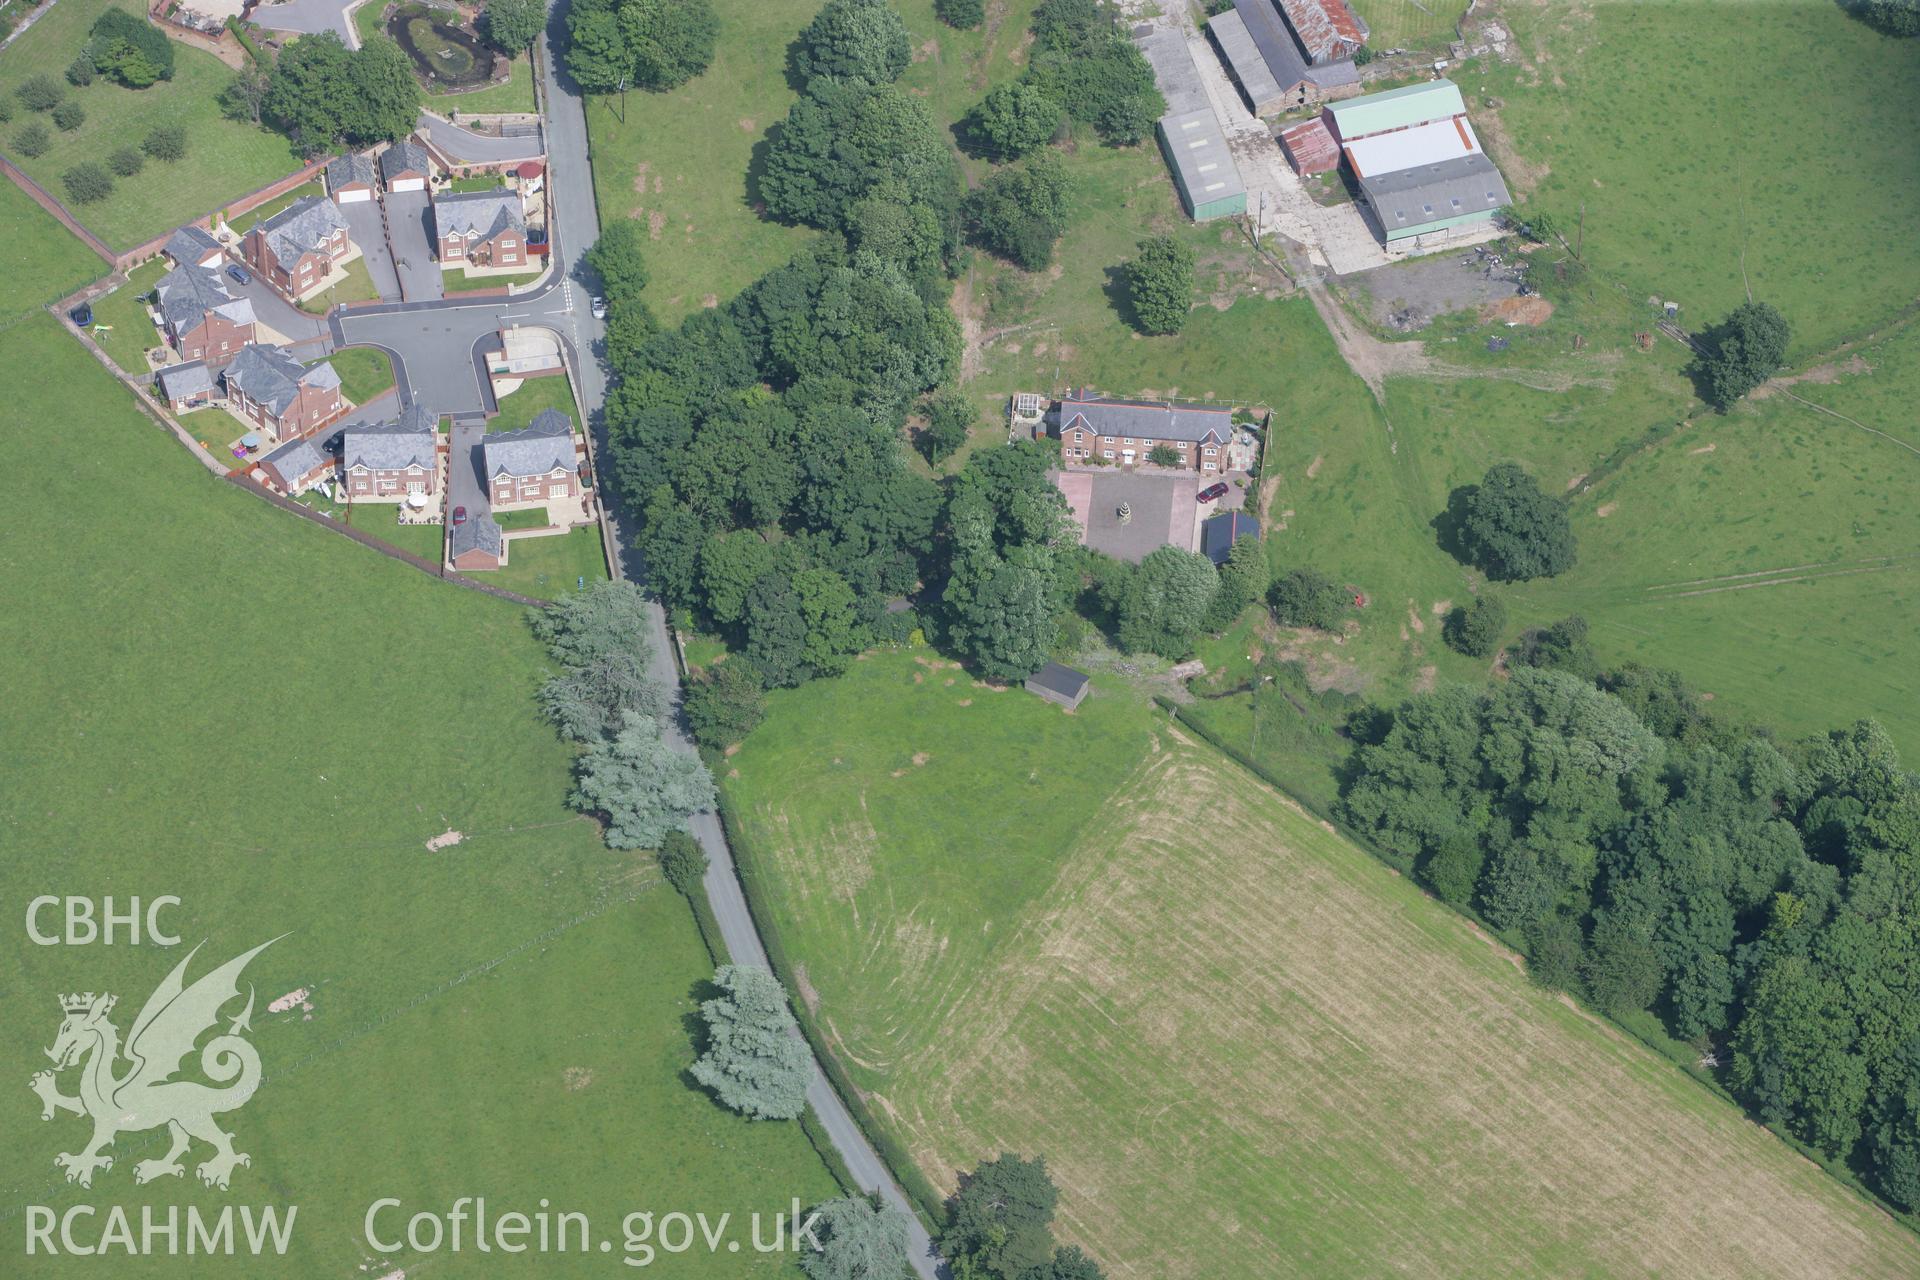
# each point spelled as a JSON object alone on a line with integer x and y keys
{"x": 39, "y": 259}
{"x": 224, "y": 158}
{"x": 211, "y": 699}
{"x": 1244, "y": 1046}
{"x": 1406, "y": 24}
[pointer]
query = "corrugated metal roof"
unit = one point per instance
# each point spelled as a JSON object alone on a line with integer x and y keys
{"x": 1173, "y": 70}
{"x": 1310, "y": 147}
{"x": 1236, "y": 43}
{"x": 1275, "y": 43}
{"x": 1396, "y": 109}
{"x": 1200, "y": 158}
{"x": 1409, "y": 148}
{"x": 1408, "y": 199}
{"x": 1328, "y": 29}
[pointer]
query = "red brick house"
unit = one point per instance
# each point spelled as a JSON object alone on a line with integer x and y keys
{"x": 193, "y": 246}
{"x": 392, "y": 462}
{"x": 187, "y": 386}
{"x": 406, "y": 166}
{"x": 1128, "y": 431}
{"x": 296, "y": 466}
{"x": 534, "y": 464}
{"x": 351, "y": 178}
{"x": 477, "y": 544}
{"x": 485, "y": 228}
{"x": 201, "y": 317}
{"x": 295, "y": 250}
{"x": 271, "y": 389}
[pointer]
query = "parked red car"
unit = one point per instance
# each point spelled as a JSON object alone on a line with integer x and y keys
{"x": 1213, "y": 491}
{"x": 459, "y": 515}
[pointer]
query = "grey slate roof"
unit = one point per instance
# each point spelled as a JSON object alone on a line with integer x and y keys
{"x": 1149, "y": 421}
{"x": 405, "y": 156}
{"x": 1230, "y": 33}
{"x": 1452, "y": 188}
{"x": 1055, "y": 678}
{"x": 188, "y": 293}
{"x": 191, "y": 244}
{"x": 1219, "y": 533}
{"x": 482, "y": 213}
{"x": 417, "y": 417}
{"x": 1285, "y": 61}
{"x": 185, "y": 381}
{"x": 533, "y": 450}
{"x": 480, "y": 533}
{"x": 302, "y": 227}
{"x": 346, "y": 170}
{"x": 293, "y": 460}
{"x": 389, "y": 448}
{"x": 273, "y": 378}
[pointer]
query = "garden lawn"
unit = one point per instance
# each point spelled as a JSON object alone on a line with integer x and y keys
{"x": 132, "y": 333}
{"x": 351, "y": 283}
{"x": 680, "y": 162}
{"x": 513, "y": 94}
{"x": 519, "y": 407}
{"x": 1699, "y": 214}
{"x": 1243, "y": 1046}
{"x": 506, "y": 1017}
{"x": 547, "y": 568}
{"x": 365, "y": 372}
{"x": 224, "y": 159}
{"x": 284, "y": 200}
{"x": 461, "y": 282}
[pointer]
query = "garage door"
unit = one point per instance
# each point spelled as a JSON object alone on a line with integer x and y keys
{"x": 408, "y": 184}
{"x": 353, "y": 196}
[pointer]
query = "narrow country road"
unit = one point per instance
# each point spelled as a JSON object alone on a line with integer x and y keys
{"x": 572, "y": 174}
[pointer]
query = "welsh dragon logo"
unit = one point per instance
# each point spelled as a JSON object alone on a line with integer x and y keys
{"x": 145, "y": 1095}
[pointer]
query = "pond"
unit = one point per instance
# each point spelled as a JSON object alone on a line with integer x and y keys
{"x": 446, "y": 54}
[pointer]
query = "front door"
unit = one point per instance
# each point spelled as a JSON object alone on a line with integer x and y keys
{"x": 1126, "y": 457}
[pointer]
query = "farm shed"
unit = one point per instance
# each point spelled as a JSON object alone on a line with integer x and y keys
{"x": 1327, "y": 29}
{"x": 1203, "y": 168}
{"x": 1434, "y": 197}
{"x": 1262, "y": 56}
{"x": 1059, "y": 684}
{"x": 1310, "y": 148}
{"x": 1401, "y": 108}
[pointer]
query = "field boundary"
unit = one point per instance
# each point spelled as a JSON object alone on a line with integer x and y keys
{"x": 1839, "y": 1172}
{"x": 52, "y": 204}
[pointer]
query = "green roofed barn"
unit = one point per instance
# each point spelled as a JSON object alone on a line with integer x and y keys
{"x": 1394, "y": 109}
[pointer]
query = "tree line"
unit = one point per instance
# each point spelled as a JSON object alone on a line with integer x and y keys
{"x": 1760, "y": 898}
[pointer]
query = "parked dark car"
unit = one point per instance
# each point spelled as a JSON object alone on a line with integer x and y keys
{"x": 239, "y": 275}
{"x": 1213, "y": 491}
{"x": 82, "y": 315}
{"x": 459, "y": 515}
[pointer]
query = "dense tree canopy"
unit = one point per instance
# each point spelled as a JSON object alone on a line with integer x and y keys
{"x": 1160, "y": 285}
{"x": 1306, "y": 597}
{"x": 1001, "y": 1220}
{"x": 1510, "y": 529}
{"x": 1020, "y": 212}
{"x": 127, "y": 49}
{"x": 963, "y": 14}
{"x": 1163, "y": 603}
{"x": 1010, "y": 576}
{"x": 858, "y": 1241}
{"x": 841, "y": 140}
{"x": 619, "y": 258}
{"x": 1085, "y": 62}
{"x": 1013, "y": 119}
{"x": 321, "y": 93}
{"x": 1741, "y": 352}
{"x": 513, "y": 25}
{"x": 1895, "y": 17}
{"x": 1475, "y": 629}
{"x": 642, "y": 44}
{"x": 853, "y": 40}
{"x": 753, "y": 1062}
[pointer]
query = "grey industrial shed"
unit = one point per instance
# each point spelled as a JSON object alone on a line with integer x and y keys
{"x": 1203, "y": 168}
{"x": 1059, "y": 684}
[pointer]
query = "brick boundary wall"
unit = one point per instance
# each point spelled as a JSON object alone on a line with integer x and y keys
{"x": 51, "y": 203}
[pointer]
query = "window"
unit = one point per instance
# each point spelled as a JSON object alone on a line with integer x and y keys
{"x": 1106, "y": 453}
{"x": 1210, "y": 451}
{"x": 1128, "y": 440}
{"x": 1106, "y": 439}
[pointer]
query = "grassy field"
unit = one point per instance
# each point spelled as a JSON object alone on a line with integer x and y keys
{"x": 1684, "y": 212}
{"x": 40, "y": 261}
{"x": 365, "y": 373}
{"x": 506, "y": 1017}
{"x": 1406, "y": 24}
{"x": 224, "y": 158}
{"x": 680, "y": 161}
{"x": 1244, "y": 1047}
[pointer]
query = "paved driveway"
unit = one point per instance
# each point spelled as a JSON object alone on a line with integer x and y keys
{"x": 310, "y": 15}
{"x": 410, "y": 233}
{"x": 270, "y": 309}
{"x": 466, "y": 486}
{"x": 369, "y": 231}
{"x": 479, "y": 148}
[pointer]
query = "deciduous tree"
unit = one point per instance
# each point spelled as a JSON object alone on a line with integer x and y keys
{"x": 1015, "y": 118}
{"x": 725, "y": 704}
{"x": 1164, "y": 602}
{"x": 1159, "y": 283}
{"x": 1511, "y": 529}
{"x": 853, "y": 40}
{"x": 1475, "y": 629}
{"x": 1001, "y": 1219}
{"x": 513, "y": 25}
{"x": 1742, "y": 351}
{"x": 1306, "y": 597}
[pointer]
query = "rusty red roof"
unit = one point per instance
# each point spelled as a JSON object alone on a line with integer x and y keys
{"x": 1328, "y": 29}
{"x": 1310, "y": 147}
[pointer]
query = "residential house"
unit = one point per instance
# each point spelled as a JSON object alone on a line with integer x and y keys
{"x": 484, "y": 228}
{"x": 193, "y": 246}
{"x": 477, "y": 543}
{"x": 295, "y": 250}
{"x": 1059, "y": 684}
{"x": 406, "y": 166}
{"x": 201, "y": 317}
{"x": 1127, "y": 431}
{"x": 296, "y": 466}
{"x": 537, "y": 463}
{"x": 351, "y": 178}
{"x": 271, "y": 389}
{"x": 186, "y": 387}
{"x": 1218, "y": 533}
{"x": 389, "y": 463}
